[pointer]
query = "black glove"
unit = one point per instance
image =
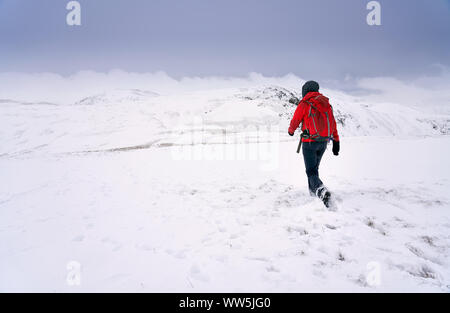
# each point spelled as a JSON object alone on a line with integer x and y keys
{"x": 291, "y": 134}
{"x": 336, "y": 147}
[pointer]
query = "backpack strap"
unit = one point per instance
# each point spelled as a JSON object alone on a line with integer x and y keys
{"x": 328, "y": 122}
{"x": 311, "y": 106}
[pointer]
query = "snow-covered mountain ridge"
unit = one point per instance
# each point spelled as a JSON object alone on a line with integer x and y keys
{"x": 128, "y": 117}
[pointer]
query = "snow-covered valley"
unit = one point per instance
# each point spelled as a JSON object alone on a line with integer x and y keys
{"x": 157, "y": 190}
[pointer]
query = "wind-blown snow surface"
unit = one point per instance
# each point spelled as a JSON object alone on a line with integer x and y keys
{"x": 106, "y": 181}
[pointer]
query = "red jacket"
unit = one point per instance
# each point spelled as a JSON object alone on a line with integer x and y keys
{"x": 301, "y": 112}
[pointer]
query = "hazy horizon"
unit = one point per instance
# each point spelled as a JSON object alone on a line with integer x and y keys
{"x": 325, "y": 39}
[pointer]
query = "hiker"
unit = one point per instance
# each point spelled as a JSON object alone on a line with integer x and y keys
{"x": 319, "y": 127}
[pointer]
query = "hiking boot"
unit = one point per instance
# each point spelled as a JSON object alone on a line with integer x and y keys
{"x": 326, "y": 199}
{"x": 324, "y": 195}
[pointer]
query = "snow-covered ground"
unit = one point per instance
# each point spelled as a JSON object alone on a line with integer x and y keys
{"x": 200, "y": 189}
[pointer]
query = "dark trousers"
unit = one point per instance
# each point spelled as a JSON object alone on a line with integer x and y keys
{"x": 312, "y": 155}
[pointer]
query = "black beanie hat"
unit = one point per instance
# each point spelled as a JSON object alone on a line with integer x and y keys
{"x": 310, "y": 86}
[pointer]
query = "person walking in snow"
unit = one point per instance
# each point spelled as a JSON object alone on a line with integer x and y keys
{"x": 315, "y": 114}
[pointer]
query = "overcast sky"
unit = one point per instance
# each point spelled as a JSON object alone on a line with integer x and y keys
{"x": 322, "y": 39}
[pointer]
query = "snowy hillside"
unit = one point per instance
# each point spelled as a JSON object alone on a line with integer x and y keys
{"x": 131, "y": 117}
{"x": 157, "y": 189}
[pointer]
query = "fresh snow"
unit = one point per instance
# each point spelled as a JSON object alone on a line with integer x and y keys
{"x": 111, "y": 181}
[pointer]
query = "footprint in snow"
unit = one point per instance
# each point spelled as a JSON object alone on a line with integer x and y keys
{"x": 196, "y": 273}
{"x": 429, "y": 240}
{"x": 297, "y": 229}
{"x": 371, "y": 223}
{"x": 78, "y": 238}
{"x": 272, "y": 269}
{"x": 145, "y": 247}
{"x": 115, "y": 244}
